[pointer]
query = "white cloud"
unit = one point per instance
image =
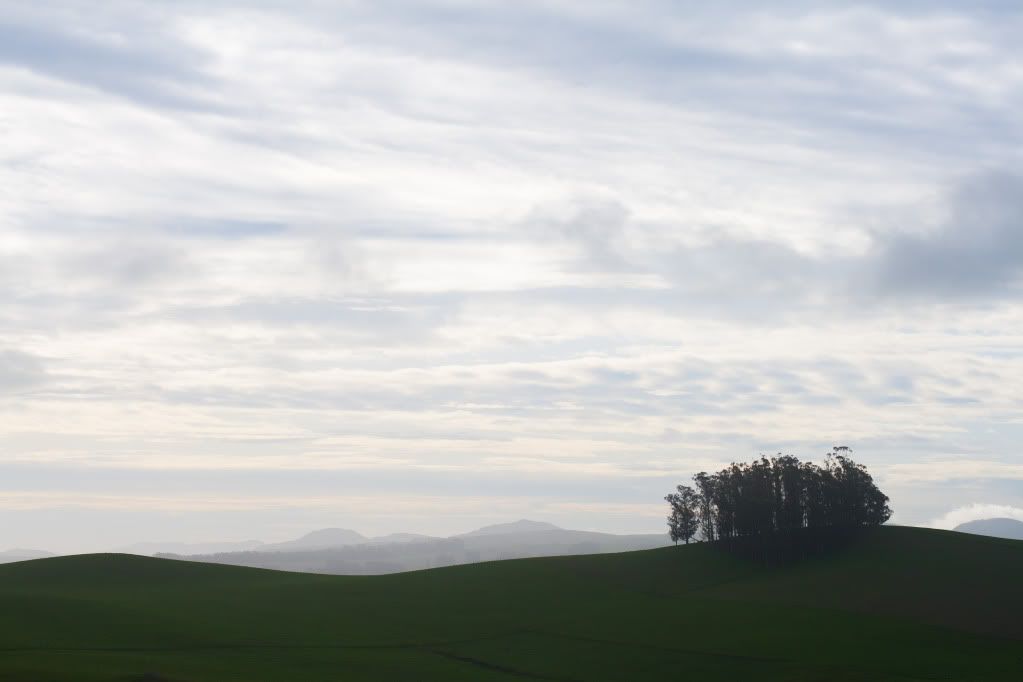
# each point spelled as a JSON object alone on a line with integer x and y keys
{"x": 544, "y": 238}
{"x": 20, "y": 371}
{"x": 976, "y": 512}
{"x": 937, "y": 470}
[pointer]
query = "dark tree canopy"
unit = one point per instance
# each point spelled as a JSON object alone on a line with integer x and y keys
{"x": 683, "y": 517}
{"x": 780, "y": 497}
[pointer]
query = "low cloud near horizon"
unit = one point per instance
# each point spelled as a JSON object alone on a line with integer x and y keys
{"x": 977, "y": 512}
{"x": 423, "y": 266}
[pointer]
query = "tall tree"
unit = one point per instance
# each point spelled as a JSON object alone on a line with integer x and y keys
{"x": 705, "y": 487}
{"x": 790, "y": 493}
{"x": 859, "y": 500}
{"x": 674, "y": 517}
{"x": 688, "y": 509}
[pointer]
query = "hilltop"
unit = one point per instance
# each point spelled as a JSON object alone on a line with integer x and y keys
{"x": 902, "y": 603}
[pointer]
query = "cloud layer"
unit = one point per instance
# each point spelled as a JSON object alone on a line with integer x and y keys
{"x": 556, "y": 255}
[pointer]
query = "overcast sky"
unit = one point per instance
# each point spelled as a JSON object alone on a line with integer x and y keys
{"x": 422, "y": 266}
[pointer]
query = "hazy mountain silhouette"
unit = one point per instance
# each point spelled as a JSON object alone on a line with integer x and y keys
{"x": 520, "y": 526}
{"x": 12, "y": 555}
{"x": 325, "y": 538}
{"x": 998, "y": 528}
{"x": 406, "y": 552}
{"x": 146, "y": 548}
{"x": 318, "y": 539}
{"x": 400, "y": 537}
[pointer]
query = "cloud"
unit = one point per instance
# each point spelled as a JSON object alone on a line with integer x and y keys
{"x": 594, "y": 228}
{"x": 752, "y": 279}
{"x": 975, "y": 512}
{"x": 975, "y": 252}
{"x": 20, "y": 371}
{"x": 608, "y": 243}
{"x": 127, "y": 263}
{"x": 223, "y": 228}
{"x": 156, "y": 70}
{"x": 953, "y": 469}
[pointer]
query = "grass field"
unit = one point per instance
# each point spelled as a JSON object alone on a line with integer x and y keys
{"x": 901, "y": 604}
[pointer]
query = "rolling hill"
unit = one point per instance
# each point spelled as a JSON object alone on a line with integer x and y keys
{"x": 900, "y": 604}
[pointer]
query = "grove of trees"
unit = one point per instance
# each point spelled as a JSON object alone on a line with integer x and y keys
{"x": 770, "y": 503}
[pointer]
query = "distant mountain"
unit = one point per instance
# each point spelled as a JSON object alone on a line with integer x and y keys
{"x": 12, "y": 555}
{"x": 151, "y": 548}
{"x": 326, "y": 538}
{"x": 318, "y": 539}
{"x": 998, "y": 528}
{"x": 406, "y": 552}
{"x": 521, "y": 526}
{"x": 400, "y": 537}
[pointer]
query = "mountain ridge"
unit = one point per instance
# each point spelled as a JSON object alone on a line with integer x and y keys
{"x": 999, "y": 527}
{"x": 318, "y": 539}
{"x": 520, "y": 526}
{"x": 515, "y": 540}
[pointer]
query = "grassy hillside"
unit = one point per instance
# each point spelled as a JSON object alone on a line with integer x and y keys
{"x": 902, "y": 604}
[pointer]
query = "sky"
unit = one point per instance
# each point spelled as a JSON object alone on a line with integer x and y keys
{"x": 422, "y": 266}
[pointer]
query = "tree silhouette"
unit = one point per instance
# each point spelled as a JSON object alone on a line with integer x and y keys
{"x": 779, "y": 502}
{"x": 674, "y": 518}
{"x": 684, "y": 516}
{"x": 705, "y": 486}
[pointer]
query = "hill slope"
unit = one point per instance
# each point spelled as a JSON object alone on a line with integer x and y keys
{"x": 901, "y": 604}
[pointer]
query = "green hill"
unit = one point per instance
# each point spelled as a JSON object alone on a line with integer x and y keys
{"x": 900, "y": 604}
